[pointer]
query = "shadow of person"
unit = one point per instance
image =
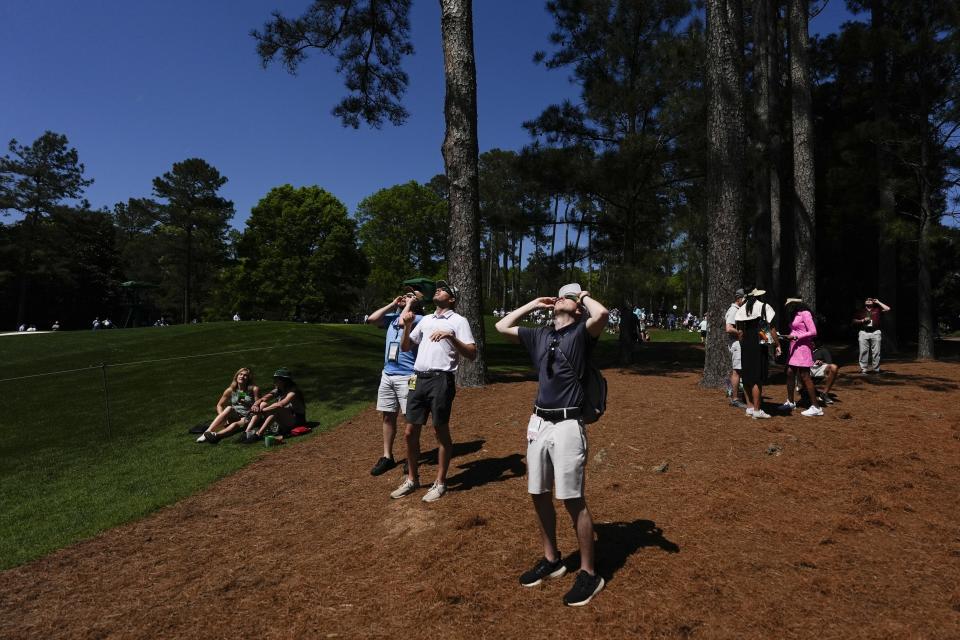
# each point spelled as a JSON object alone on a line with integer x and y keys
{"x": 459, "y": 449}
{"x": 480, "y": 472}
{"x": 617, "y": 541}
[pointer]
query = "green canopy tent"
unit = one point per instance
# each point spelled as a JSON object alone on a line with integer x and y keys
{"x": 132, "y": 289}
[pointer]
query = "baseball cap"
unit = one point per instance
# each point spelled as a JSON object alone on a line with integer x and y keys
{"x": 423, "y": 285}
{"x": 570, "y": 289}
{"x": 283, "y": 372}
{"x": 453, "y": 290}
{"x": 739, "y": 293}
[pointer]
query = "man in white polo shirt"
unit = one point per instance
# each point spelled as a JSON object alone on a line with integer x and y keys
{"x": 442, "y": 337}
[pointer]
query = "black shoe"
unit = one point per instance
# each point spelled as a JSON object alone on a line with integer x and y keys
{"x": 543, "y": 570}
{"x": 383, "y": 465}
{"x": 739, "y": 404}
{"x": 210, "y": 437}
{"x": 584, "y": 588}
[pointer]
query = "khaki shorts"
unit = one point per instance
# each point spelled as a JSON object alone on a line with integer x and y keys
{"x": 556, "y": 457}
{"x": 392, "y": 394}
{"x": 735, "y": 355}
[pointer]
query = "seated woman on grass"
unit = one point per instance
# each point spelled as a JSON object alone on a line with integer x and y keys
{"x": 233, "y": 409}
{"x": 279, "y": 411}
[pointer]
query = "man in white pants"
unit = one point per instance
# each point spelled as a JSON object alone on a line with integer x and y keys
{"x": 556, "y": 440}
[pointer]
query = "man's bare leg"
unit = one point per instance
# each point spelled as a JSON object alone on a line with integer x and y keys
{"x": 389, "y": 433}
{"x": 444, "y": 451}
{"x": 547, "y": 519}
{"x": 583, "y": 524}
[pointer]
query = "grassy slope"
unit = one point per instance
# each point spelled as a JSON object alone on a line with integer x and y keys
{"x": 65, "y": 477}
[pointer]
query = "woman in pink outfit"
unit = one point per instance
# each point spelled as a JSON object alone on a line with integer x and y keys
{"x": 800, "y": 358}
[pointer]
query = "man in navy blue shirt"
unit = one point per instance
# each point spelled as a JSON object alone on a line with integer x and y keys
{"x": 556, "y": 439}
{"x": 397, "y": 369}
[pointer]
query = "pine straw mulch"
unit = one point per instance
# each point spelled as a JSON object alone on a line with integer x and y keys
{"x": 846, "y": 526}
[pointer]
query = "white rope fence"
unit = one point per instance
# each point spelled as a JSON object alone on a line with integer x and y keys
{"x": 103, "y": 369}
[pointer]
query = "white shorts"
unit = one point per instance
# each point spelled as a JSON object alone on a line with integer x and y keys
{"x": 556, "y": 457}
{"x": 735, "y": 355}
{"x": 392, "y": 394}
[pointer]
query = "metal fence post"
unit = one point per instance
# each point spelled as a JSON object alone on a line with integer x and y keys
{"x": 106, "y": 398}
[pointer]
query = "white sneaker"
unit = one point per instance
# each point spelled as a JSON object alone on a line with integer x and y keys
{"x": 761, "y": 414}
{"x": 749, "y": 411}
{"x": 406, "y": 487}
{"x": 788, "y": 406}
{"x": 812, "y": 411}
{"x": 202, "y": 438}
{"x": 435, "y": 493}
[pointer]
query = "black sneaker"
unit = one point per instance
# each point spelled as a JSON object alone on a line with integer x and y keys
{"x": 739, "y": 404}
{"x": 383, "y": 465}
{"x": 584, "y": 588}
{"x": 211, "y": 437}
{"x": 544, "y": 570}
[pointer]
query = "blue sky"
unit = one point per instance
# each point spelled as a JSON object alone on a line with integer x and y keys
{"x": 137, "y": 86}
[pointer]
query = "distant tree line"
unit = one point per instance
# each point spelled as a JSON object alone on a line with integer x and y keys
{"x": 702, "y": 155}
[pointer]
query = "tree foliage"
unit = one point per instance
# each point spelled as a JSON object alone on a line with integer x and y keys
{"x": 297, "y": 259}
{"x": 368, "y": 38}
{"x": 36, "y": 181}
{"x": 194, "y": 218}
{"x": 403, "y": 231}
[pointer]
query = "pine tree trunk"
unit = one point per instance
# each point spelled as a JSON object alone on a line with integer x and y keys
{"x": 516, "y": 282}
{"x": 887, "y": 267}
{"x": 761, "y": 109}
{"x": 186, "y": 285}
{"x": 725, "y": 177}
{"x": 776, "y": 151}
{"x": 804, "y": 195}
{"x": 925, "y": 349}
{"x": 460, "y": 158}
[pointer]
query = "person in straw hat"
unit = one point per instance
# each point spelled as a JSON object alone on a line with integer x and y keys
{"x": 755, "y": 331}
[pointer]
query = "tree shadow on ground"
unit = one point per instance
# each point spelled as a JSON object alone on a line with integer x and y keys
{"x": 649, "y": 358}
{"x": 335, "y": 384}
{"x": 617, "y": 541}
{"x": 894, "y": 379}
{"x": 460, "y": 449}
{"x": 480, "y": 472}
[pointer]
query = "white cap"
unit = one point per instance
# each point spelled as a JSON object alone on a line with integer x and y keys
{"x": 566, "y": 289}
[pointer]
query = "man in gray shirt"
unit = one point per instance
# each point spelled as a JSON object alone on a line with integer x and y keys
{"x": 556, "y": 439}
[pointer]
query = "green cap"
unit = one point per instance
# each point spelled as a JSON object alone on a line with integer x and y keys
{"x": 283, "y": 372}
{"x": 423, "y": 285}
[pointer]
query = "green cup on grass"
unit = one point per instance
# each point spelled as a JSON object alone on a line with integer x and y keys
{"x": 269, "y": 441}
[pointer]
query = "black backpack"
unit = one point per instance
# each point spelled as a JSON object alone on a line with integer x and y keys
{"x": 594, "y": 387}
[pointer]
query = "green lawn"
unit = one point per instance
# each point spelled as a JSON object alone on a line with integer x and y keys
{"x": 681, "y": 335}
{"x": 65, "y": 475}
